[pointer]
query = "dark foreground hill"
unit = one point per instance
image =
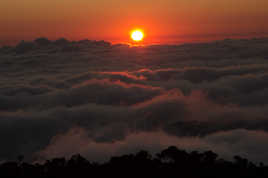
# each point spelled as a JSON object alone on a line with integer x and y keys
{"x": 171, "y": 162}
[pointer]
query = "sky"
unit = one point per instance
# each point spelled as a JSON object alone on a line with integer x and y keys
{"x": 162, "y": 20}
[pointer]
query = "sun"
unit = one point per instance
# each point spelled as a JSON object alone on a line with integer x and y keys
{"x": 137, "y": 35}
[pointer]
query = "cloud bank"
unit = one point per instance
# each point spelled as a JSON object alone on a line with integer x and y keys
{"x": 59, "y": 97}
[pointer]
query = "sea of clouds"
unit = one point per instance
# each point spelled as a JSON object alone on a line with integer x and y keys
{"x": 58, "y": 98}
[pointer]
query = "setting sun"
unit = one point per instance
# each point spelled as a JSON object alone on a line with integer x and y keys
{"x": 137, "y": 35}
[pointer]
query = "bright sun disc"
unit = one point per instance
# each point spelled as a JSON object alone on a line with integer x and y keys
{"x": 137, "y": 35}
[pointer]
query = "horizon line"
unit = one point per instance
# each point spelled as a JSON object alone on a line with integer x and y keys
{"x": 176, "y": 41}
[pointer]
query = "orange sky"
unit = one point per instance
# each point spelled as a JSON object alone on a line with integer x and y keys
{"x": 111, "y": 20}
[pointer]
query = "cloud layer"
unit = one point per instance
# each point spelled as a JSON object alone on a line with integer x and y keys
{"x": 59, "y": 97}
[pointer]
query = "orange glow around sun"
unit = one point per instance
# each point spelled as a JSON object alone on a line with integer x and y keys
{"x": 137, "y": 35}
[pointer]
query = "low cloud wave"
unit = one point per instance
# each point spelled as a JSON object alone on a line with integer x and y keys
{"x": 98, "y": 95}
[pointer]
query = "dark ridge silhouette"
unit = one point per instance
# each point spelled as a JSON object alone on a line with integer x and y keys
{"x": 255, "y": 47}
{"x": 24, "y": 47}
{"x": 42, "y": 41}
{"x": 61, "y": 41}
{"x": 43, "y": 44}
{"x": 171, "y": 162}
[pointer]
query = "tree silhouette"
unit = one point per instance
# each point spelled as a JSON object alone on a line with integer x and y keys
{"x": 171, "y": 162}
